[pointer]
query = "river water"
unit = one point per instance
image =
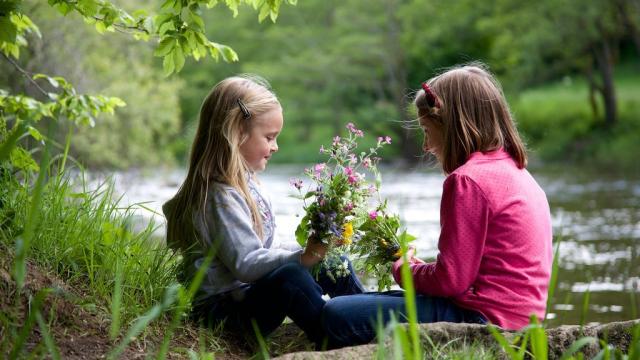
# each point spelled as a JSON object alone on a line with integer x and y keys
{"x": 596, "y": 220}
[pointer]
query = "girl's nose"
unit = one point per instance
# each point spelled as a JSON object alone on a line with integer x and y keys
{"x": 274, "y": 147}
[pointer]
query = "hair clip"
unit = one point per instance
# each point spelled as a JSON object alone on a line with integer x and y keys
{"x": 432, "y": 100}
{"x": 245, "y": 112}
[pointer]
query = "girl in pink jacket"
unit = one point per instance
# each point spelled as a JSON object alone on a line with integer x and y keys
{"x": 495, "y": 252}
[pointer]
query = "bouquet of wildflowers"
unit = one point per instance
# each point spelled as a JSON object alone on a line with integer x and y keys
{"x": 338, "y": 212}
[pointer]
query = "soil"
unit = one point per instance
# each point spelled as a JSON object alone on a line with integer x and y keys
{"x": 82, "y": 332}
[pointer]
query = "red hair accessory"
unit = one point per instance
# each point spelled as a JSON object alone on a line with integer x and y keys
{"x": 432, "y": 100}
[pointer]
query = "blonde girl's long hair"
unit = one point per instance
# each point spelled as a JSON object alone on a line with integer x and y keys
{"x": 215, "y": 155}
{"x": 473, "y": 114}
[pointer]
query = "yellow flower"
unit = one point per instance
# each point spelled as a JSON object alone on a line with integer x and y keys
{"x": 347, "y": 234}
{"x": 398, "y": 254}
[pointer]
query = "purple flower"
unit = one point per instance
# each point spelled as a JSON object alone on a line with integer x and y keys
{"x": 336, "y": 140}
{"x": 322, "y": 149}
{"x": 297, "y": 183}
{"x": 387, "y": 139}
{"x": 355, "y": 131}
{"x": 373, "y": 214}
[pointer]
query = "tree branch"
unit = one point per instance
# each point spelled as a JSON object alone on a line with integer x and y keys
{"x": 26, "y": 74}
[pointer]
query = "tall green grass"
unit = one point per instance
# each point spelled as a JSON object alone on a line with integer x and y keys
{"x": 85, "y": 236}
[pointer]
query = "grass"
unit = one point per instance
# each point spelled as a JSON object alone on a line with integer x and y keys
{"x": 85, "y": 237}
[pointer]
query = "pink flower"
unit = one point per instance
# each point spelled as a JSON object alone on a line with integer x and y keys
{"x": 366, "y": 163}
{"x": 318, "y": 168}
{"x": 373, "y": 214}
{"x": 348, "y": 207}
{"x": 385, "y": 140}
{"x": 322, "y": 150}
{"x": 297, "y": 183}
{"x": 352, "y": 159}
{"x": 355, "y": 131}
{"x": 336, "y": 140}
{"x": 352, "y": 177}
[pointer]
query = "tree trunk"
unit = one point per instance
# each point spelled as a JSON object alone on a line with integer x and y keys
{"x": 604, "y": 60}
{"x": 623, "y": 11}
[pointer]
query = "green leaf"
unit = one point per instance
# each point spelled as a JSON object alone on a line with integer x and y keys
{"x": 229, "y": 54}
{"x": 178, "y": 58}
{"x": 197, "y": 20}
{"x": 165, "y": 46}
{"x": 34, "y": 133}
{"x": 168, "y": 64}
{"x": 21, "y": 159}
{"x": 264, "y": 12}
{"x": 55, "y": 83}
{"x": 302, "y": 232}
{"x": 233, "y": 6}
{"x": 88, "y": 8}
{"x": 8, "y": 30}
{"x": 538, "y": 339}
{"x": 100, "y": 27}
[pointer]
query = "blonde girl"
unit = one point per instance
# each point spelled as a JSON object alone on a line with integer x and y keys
{"x": 494, "y": 259}
{"x": 221, "y": 210}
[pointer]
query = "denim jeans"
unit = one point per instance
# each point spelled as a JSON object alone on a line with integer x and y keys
{"x": 351, "y": 320}
{"x": 290, "y": 290}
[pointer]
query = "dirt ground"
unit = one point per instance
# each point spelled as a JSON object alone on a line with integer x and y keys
{"x": 82, "y": 332}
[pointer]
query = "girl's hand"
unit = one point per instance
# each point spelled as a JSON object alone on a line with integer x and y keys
{"x": 313, "y": 253}
{"x": 411, "y": 257}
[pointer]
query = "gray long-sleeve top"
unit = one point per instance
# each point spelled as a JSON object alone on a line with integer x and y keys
{"x": 241, "y": 256}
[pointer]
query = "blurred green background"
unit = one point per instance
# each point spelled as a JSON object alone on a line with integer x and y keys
{"x": 570, "y": 71}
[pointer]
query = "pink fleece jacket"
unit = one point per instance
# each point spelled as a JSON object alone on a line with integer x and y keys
{"x": 495, "y": 250}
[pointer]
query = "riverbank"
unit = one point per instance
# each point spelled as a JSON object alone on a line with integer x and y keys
{"x": 69, "y": 328}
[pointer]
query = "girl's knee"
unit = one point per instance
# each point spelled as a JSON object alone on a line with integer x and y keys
{"x": 335, "y": 314}
{"x": 290, "y": 271}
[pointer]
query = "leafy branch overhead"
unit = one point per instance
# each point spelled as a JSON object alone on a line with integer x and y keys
{"x": 177, "y": 28}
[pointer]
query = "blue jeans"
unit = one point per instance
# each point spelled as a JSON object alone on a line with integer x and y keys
{"x": 351, "y": 320}
{"x": 289, "y": 290}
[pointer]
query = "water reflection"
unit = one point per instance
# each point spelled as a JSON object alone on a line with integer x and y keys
{"x": 595, "y": 219}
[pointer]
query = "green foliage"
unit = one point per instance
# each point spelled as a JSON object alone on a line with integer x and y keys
{"x": 558, "y": 125}
{"x": 180, "y": 33}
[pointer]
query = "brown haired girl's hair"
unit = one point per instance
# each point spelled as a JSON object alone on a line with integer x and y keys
{"x": 473, "y": 114}
{"x": 215, "y": 155}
